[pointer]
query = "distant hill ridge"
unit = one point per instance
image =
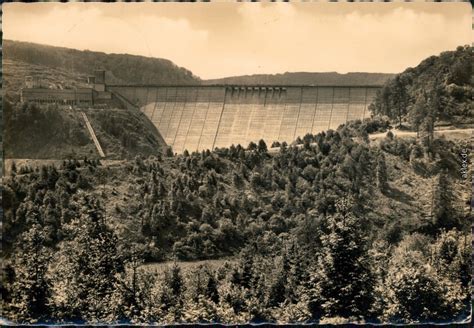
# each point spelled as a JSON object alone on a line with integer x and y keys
{"x": 307, "y": 78}
{"x": 133, "y": 69}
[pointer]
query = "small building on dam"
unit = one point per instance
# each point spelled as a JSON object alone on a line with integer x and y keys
{"x": 94, "y": 93}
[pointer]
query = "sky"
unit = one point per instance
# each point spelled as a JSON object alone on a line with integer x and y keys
{"x": 226, "y": 39}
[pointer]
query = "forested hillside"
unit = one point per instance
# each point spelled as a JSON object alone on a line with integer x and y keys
{"x": 48, "y": 132}
{"x": 307, "y": 78}
{"x": 340, "y": 229}
{"x": 122, "y": 68}
{"x": 437, "y": 91}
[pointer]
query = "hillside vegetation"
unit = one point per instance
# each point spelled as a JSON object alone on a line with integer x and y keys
{"x": 307, "y": 78}
{"x": 14, "y": 74}
{"x": 337, "y": 230}
{"x": 437, "y": 91}
{"x": 48, "y": 132}
{"x": 122, "y": 68}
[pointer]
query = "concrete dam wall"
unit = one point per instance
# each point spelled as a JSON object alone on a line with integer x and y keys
{"x": 205, "y": 117}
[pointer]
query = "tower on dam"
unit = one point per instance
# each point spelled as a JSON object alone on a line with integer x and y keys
{"x": 206, "y": 117}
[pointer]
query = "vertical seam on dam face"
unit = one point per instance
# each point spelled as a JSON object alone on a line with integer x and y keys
{"x": 220, "y": 118}
{"x": 163, "y": 114}
{"x": 298, "y": 116}
{"x": 282, "y": 106}
{"x": 315, "y": 109}
{"x": 282, "y": 117}
{"x": 250, "y": 114}
{"x": 154, "y": 107}
{"x": 180, "y": 121}
{"x": 205, "y": 117}
{"x": 348, "y": 105}
{"x": 191, "y": 122}
{"x": 332, "y": 108}
{"x": 172, "y": 112}
{"x": 365, "y": 103}
{"x": 265, "y": 108}
{"x": 146, "y": 98}
{"x": 164, "y": 107}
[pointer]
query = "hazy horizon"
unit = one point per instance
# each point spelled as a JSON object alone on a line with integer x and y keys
{"x": 234, "y": 39}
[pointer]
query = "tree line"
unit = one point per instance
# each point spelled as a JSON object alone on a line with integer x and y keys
{"x": 438, "y": 90}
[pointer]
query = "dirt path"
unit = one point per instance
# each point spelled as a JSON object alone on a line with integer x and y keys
{"x": 402, "y": 134}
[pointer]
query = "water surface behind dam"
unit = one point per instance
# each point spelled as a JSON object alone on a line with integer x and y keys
{"x": 205, "y": 117}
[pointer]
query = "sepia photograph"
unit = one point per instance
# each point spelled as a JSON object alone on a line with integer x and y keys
{"x": 237, "y": 163}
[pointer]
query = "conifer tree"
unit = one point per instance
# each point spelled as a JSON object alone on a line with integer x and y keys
{"x": 211, "y": 288}
{"x": 262, "y": 146}
{"x": 415, "y": 292}
{"x": 252, "y": 146}
{"x": 31, "y": 288}
{"x": 85, "y": 268}
{"x": 443, "y": 205}
{"x": 382, "y": 178}
{"x": 342, "y": 281}
{"x": 452, "y": 257}
{"x": 169, "y": 152}
{"x": 173, "y": 287}
{"x": 278, "y": 289}
{"x": 399, "y": 99}
{"x": 13, "y": 167}
{"x": 237, "y": 180}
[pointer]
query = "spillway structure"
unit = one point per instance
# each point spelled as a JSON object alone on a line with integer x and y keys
{"x": 205, "y": 117}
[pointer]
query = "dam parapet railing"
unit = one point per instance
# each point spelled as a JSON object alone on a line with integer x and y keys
{"x": 139, "y": 94}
